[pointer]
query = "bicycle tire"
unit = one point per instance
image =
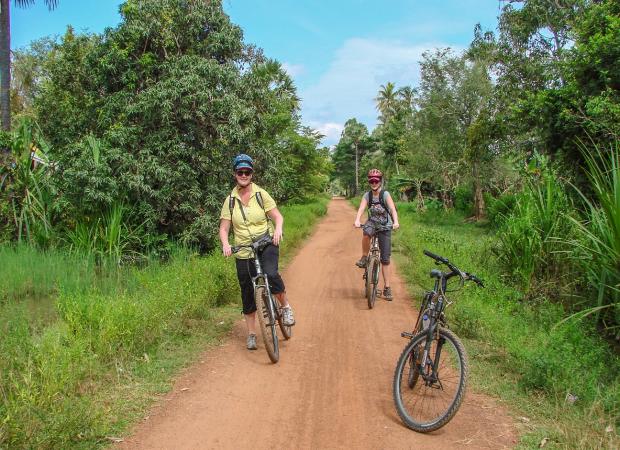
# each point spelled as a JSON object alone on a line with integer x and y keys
{"x": 414, "y": 409}
{"x": 367, "y": 281}
{"x": 287, "y": 330}
{"x": 373, "y": 279}
{"x": 267, "y": 324}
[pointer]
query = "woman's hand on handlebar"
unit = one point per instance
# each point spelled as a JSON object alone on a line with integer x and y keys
{"x": 226, "y": 250}
{"x": 357, "y": 224}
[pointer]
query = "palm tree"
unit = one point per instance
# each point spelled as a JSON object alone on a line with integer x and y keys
{"x": 5, "y": 55}
{"x": 386, "y": 101}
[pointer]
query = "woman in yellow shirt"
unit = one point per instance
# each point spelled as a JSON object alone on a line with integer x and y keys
{"x": 249, "y": 219}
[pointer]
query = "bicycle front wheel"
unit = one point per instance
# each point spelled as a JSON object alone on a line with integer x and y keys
{"x": 437, "y": 393}
{"x": 267, "y": 323}
{"x": 372, "y": 280}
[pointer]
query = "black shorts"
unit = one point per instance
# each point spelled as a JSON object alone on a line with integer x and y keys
{"x": 383, "y": 236}
{"x": 246, "y": 270}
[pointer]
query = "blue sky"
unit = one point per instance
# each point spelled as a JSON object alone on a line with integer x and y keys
{"x": 339, "y": 52}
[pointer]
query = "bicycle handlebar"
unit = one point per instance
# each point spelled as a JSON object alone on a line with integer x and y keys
{"x": 437, "y": 258}
{"x": 455, "y": 270}
{"x": 254, "y": 245}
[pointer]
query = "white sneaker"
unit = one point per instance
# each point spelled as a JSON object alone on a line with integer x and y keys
{"x": 287, "y": 316}
{"x": 251, "y": 342}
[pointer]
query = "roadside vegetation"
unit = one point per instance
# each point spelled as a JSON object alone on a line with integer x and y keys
{"x": 558, "y": 377}
{"x": 84, "y": 350}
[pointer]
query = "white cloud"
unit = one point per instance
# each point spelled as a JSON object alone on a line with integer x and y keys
{"x": 293, "y": 69}
{"x": 348, "y": 88}
{"x": 331, "y": 131}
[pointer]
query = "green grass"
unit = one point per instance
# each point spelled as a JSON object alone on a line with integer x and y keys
{"x": 113, "y": 346}
{"x": 26, "y": 272}
{"x": 518, "y": 350}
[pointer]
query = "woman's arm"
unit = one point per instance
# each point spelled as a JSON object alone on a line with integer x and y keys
{"x": 360, "y": 211}
{"x": 224, "y": 229}
{"x": 277, "y": 218}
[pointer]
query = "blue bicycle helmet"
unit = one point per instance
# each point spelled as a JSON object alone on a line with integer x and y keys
{"x": 243, "y": 161}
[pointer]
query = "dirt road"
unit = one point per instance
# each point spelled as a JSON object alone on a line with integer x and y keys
{"x": 332, "y": 386}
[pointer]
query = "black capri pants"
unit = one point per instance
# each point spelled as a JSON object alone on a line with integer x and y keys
{"x": 246, "y": 270}
{"x": 384, "y": 236}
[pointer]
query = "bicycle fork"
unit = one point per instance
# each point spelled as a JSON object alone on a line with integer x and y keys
{"x": 269, "y": 303}
{"x": 429, "y": 362}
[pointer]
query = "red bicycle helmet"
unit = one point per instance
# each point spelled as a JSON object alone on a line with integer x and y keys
{"x": 375, "y": 173}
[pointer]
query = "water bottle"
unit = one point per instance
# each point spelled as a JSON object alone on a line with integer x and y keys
{"x": 425, "y": 321}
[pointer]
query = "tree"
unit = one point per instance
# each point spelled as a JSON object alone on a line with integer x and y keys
{"x": 170, "y": 95}
{"x": 386, "y": 101}
{"x": 5, "y": 56}
{"x": 353, "y": 145}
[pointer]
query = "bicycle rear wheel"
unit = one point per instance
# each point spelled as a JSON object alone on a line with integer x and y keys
{"x": 372, "y": 280}
{"x": 436, "y": 396}
{"x": 267, "y": 324}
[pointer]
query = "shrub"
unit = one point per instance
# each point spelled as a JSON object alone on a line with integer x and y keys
{"x": 530, "y": 236}
{"x": 498, "y": 209}
{"x": 464, "y": 199}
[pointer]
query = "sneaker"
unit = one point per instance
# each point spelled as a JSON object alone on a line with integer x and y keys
{"x": 287, "y": 317}
{"x": 362, "y": 262}
{"x": 387, "y": 294}
{"x": 251, "y": 342}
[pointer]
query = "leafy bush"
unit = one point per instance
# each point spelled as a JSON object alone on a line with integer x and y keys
{"x": 152, "y": 113}
{"x": 498, "y": 209}
{"x": 464, "y": 199}
{"x": 432, "y": 204}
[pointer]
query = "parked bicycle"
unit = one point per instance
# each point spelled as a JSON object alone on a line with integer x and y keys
{"x": 431, "y": 373}
{"x": 269, "y": 310}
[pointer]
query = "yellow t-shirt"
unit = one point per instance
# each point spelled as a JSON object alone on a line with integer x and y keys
{"x": 256, "y": 223}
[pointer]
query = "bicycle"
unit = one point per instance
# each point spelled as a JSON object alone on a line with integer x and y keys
{"x": 269, "y": 310}
{"x": 373, "y": 267}
{"x": 431, "y": 373}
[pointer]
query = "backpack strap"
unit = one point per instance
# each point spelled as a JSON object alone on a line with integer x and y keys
{"x": 231, "y": 206}
{"x": 259, "y": 200}
{"x": 385, "y": 206}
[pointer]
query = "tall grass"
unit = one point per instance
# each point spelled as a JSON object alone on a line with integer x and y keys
{"x": 27, "y": 272}
{"x": 597, "y": 245}
{"x": 106, "y": 237}
{"x": 528, "y": 238}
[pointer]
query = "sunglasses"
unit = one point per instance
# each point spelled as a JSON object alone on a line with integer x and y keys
{"x": 243, "y": 173}
{"x": 374, "y": 180}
